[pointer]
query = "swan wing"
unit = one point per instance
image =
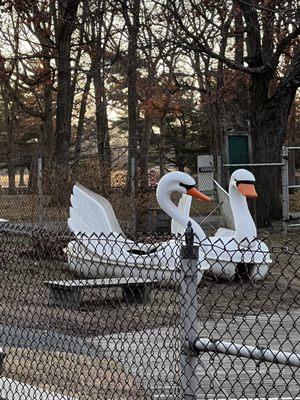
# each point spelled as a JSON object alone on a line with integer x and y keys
{"x": 91, "y": 213}
{"x": 225, "y": 207}
{"x": 184, "y": 207}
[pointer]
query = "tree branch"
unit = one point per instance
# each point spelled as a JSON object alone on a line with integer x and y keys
{"x": 196, "y": 45}
{"x": 282, "y": 46}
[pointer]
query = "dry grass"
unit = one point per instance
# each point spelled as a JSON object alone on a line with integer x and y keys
{"x": 25, "y": 207}
{"x": 83, "y": 377}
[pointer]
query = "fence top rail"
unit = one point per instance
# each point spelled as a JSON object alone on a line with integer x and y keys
{"x": 294, "y": 186}
{"x": 279, "y": 164}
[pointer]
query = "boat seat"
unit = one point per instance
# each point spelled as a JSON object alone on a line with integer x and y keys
{"x": 68, "y": 293}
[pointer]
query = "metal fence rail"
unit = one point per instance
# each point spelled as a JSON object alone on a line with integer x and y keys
{"x": 112, "y": 318}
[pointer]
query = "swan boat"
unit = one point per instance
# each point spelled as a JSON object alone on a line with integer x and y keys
{"x": 102, "y": 250}
{"x": 237, "y": 251}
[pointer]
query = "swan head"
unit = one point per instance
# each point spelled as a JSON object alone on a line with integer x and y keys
{"x": 244, "y": 182}
{"x": 181, "y": 182}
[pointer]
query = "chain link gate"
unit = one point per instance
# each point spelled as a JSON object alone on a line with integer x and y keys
{"x": 291, "y": 187}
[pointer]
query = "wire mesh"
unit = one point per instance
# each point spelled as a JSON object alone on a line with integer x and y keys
{"x": 27, "y": 204}
{"x": 100, "y": 317}
{"x": 294, "y": 182}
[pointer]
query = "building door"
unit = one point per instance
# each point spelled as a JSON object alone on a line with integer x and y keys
{"x": 238, "y": 149}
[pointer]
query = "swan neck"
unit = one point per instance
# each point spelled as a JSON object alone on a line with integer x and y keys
{"x": 166, "y": 204}
{"x": 243, "y": 221}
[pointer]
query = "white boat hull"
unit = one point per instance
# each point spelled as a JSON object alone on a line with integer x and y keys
{"x": 91, "y": 266}
{"x": 227, "y": 271}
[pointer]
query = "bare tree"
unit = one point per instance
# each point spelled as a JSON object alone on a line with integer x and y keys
{"x": 100, "y": 33}
{"x": 271, "y": 33}
{"x": 131, "y": 14}
{"x": 65, "y": 25}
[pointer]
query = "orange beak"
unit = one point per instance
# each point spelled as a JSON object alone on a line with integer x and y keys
{"x": 248, "y": 190}
{"x": 198, "y": 195}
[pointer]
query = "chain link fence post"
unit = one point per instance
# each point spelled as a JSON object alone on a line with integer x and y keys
{"x": 189, "y": 307}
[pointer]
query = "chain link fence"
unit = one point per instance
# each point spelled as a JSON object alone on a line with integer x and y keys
{"x": 32, "y": 201}
{"x": 151, "y": 318}
{"x": 30, "y": 196}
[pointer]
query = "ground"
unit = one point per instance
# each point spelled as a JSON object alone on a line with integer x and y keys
{"x": 75, "y": 375}
{"x": 25, "y": 299}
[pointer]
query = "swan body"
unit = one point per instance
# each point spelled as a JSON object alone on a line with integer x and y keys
{"x": 101, "y": 248}
{"x": 244, "y": 236}
{"x": 231, "y": 248}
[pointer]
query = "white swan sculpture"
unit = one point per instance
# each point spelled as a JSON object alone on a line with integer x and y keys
{"x": 110, "y": 254}
{"x": 244, "y": 253}
{"x": 238, "y": 251}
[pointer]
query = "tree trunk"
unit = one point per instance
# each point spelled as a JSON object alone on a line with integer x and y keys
{"x": 47, "y": 138}
{"x": 11, "y": 157}
{"x": 67, "y": 11}
{"x": 80, "y": 126}
{"x": 144, "y": 154}
{"x": 102, "y": 133}
{"x": 133, "y": 114}
{"x": 269, "y": 118}
{"x": 33, "y": 173}
{"x": 9, "y": 116}
{"x": 22, "y": 180}
{"x": 143, "y": 199}
{"x": 162, "y": 147}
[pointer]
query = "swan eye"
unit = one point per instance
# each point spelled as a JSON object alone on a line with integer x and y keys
{"x": 187, "y": 187}
{"x": 245, "y": 182}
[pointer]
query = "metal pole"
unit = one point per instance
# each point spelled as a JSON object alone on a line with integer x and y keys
{"x": 40, "y": 192}
{"x": 219, "y": 170}
{"x": 285, "y": 187}
{"x": 133, "y": 193}
{"x": 189, "y": 307}
{"x": 250, "y": 352}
